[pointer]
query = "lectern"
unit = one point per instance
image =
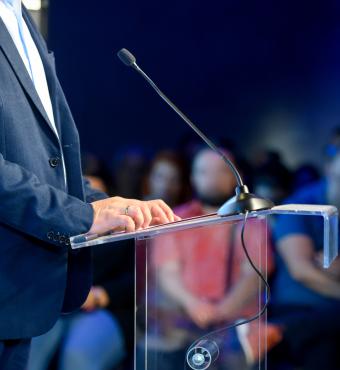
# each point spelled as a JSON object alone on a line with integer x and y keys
{"x": 199, "y": 304}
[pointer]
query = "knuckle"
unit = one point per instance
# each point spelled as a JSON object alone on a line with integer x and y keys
{"x": 162, "y": 203}
{"x": 132, "y": 211}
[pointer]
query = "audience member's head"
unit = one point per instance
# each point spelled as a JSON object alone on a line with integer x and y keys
{"x": 305, "y": 175}
{"x": 333, "y": 168}
{"x": 129, "y": 168}
{"x": 167, "y": 179}
{"x": 272, "y": 178}
{"x": 333, "y": 145}
{"x": 212, "y": 179}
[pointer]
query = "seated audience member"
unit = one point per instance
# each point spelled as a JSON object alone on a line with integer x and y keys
{"x": 167, "y": 179}
{"x": 305, "y": 296}
{"x": 202, "y": 280}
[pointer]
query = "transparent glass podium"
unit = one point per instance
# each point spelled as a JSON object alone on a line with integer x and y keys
{"x": 199, "y": 304}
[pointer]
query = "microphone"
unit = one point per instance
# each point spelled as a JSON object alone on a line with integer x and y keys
{"x": 243, "y": 201}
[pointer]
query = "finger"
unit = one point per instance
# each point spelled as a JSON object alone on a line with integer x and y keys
{"x": 157, "y": 212}
{"x": 177, "y": 218}
{"x": 122, "y": 222}
{"x": 166, "y": 209}
{"x": 146, "y": 214}
{"x": 136, "y": 214}
{"x": 156, "y": 221}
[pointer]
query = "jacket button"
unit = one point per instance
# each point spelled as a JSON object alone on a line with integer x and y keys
{"x": 50, "y": 235}
{"x": 56, "y": 237}
{"x": 54, "y": 162}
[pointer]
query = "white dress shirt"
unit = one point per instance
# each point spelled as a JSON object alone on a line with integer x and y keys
{"x": 11, "y": 15}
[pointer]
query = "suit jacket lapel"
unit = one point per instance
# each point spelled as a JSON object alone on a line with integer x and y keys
{"x": 14, "y": 58}
{"x": 48, "y": 62}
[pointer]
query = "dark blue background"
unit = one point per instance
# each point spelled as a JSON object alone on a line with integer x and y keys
{"x": 265, "y": 73}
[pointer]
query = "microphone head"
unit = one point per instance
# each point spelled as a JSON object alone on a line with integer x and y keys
{"x": 126, "y": 57}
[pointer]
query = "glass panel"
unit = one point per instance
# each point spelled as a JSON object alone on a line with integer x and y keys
{"x": 192, "y": 288}
{"x": 330, "y": 225}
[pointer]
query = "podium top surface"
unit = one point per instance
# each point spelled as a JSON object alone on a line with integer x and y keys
{"x": 329, "y": 214}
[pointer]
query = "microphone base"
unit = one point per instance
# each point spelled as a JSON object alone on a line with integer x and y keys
{"x": 244, "y": 202}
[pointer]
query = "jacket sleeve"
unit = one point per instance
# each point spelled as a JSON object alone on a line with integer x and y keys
{"x": 92, "y": 194}
{"x": 40, "y": 210}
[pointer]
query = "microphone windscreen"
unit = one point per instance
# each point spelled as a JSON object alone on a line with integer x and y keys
{"x": 126, "y": 57}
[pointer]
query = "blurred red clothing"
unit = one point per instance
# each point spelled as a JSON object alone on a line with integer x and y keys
{"x": 211, "y": 257}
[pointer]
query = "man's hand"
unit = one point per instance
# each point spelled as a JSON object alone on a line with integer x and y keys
{"x": 121, "y": 214}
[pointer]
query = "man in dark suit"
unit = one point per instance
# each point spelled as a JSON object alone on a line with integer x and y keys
{"x": 43, "y": 197}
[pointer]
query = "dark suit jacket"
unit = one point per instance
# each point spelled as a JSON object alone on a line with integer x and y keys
{"x": 40, "y": 276}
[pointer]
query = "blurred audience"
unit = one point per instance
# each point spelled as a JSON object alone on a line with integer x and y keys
{"x": 202, "y": 279}
{"x": 306, "y": 297}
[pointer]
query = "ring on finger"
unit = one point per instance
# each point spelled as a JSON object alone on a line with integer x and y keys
{"x": 127, "y": 210}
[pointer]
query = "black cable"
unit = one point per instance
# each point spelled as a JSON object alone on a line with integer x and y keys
{"x": 260, "y": 275}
